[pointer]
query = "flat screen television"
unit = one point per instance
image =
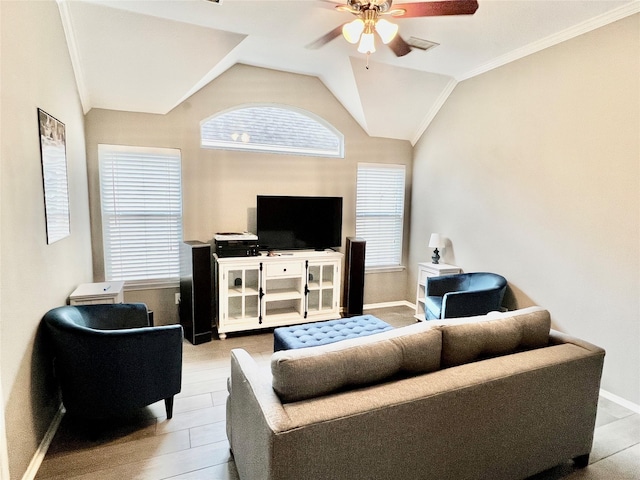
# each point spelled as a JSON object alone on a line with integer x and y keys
{"x": 296, "y": 223}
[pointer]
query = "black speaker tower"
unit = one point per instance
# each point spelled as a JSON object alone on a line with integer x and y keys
{"x": 196, "y": 291}
{"x": 353, "y": 299}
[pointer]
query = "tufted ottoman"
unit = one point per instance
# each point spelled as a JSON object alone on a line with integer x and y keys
{"x": 321, "y": 333}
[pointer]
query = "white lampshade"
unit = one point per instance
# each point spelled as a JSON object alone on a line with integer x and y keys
{"x": 352, "y": 31}
{"x": 367, "y": 44}
{"x": 436, "y": 241}
{"x": 386, "y": 30}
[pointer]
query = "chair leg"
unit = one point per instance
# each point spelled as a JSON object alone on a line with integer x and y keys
{"x": 582, "y": 461}
{"x": 168, "y": 403}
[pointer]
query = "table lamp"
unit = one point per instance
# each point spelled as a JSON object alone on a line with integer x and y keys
{"x": 436, "y": 241}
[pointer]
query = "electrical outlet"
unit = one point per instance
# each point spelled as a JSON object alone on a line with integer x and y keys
{"x": 177, "y": 299}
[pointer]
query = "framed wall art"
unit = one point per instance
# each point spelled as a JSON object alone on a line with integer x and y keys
{"x": 53, "y": 154}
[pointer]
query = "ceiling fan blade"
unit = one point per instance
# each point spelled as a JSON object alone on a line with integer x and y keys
{"x": 399, "y": 46}
{"x": 435, "y": 9}
{"x": 326, "y": 38}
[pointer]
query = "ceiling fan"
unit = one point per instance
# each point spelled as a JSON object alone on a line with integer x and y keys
{"x": 369, "y": 20}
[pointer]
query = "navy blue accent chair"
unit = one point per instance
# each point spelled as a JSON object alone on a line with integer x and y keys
{"x": 110, "y": 361}
{"x": 464, "y": 295}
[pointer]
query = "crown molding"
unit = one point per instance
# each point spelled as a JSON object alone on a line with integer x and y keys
{"x": 582, "y": 28}
{"x": 74, "y": 54}
{"x": 433, "y": 111}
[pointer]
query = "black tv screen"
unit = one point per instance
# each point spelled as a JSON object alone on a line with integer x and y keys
{"x": 295, "y": 223}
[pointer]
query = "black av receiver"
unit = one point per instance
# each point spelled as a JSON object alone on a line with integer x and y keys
{"x": 236, "y": 245}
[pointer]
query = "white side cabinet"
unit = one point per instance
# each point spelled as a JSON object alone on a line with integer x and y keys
{"x": 289, "y": 288}
{"x": 426, "y": 270}
{"x": 97, "y": 293}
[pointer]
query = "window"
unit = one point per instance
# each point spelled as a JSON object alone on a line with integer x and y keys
{"x": 141, "y": 197}
{"x": 272, "y": 129}
{"x": 380, "y": 212}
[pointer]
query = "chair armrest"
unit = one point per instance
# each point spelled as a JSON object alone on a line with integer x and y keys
{"x": 154, "y": 351}
{"x": 470, "y": 303}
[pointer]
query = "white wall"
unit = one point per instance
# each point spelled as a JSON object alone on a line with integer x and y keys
{"x": 35, "y": 277}
{"x": 532, "y": 170}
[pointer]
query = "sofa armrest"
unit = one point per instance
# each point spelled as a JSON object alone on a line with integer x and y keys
{"x": 254, "y": 416}
{"x": 559, "y": 338}
{"x": 248, "y": 376}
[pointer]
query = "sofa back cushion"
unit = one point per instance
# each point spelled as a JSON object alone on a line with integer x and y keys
{"x": 310, "y": 372}
{"x": 467, "y": 342}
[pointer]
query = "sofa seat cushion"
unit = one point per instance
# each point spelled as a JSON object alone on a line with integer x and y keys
{"x": 467, "y": 342}
{"x": 310, "y": 372}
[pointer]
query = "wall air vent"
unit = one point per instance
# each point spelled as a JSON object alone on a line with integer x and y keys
{"x": 421, "y": 44}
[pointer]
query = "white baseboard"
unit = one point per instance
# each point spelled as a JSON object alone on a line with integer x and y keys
{"x": 38, "y": 457}
{"x": 634, "y": 407}
{"x": 398, "y": 303}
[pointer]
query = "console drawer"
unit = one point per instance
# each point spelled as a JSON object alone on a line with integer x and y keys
{"x": 283, "y": 269}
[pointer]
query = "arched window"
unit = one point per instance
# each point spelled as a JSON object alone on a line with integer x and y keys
{"x": 273, "y": 129}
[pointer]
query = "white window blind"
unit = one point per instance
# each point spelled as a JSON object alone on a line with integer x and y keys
{"x": 141, "y": 197}
{"x": 380, "y": 212}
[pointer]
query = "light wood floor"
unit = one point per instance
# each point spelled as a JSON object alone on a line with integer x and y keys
{"x": 193, "y": 445}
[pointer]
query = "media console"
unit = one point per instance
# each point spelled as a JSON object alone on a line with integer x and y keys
{"x": 287, "y": 288}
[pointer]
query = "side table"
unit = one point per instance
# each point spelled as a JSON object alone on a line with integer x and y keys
{"x": 101, "y": 293}
{"x": 97, "y": 293}
{"x": 426, "y": 270}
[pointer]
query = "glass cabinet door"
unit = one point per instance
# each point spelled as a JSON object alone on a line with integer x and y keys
{"x": 321, "y": 287}
{"x": 243, "y": 290}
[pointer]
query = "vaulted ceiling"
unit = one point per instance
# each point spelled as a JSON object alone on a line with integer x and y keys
{"x": 150, "y": 55}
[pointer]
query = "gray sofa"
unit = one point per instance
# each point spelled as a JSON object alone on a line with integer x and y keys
{"x": 500, "y": 396}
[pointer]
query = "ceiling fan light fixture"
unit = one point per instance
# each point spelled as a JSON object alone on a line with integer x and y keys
{"x": 386, "y": 30}
{"x": 367, "y": 43}
{"x": 352, "y": 30}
